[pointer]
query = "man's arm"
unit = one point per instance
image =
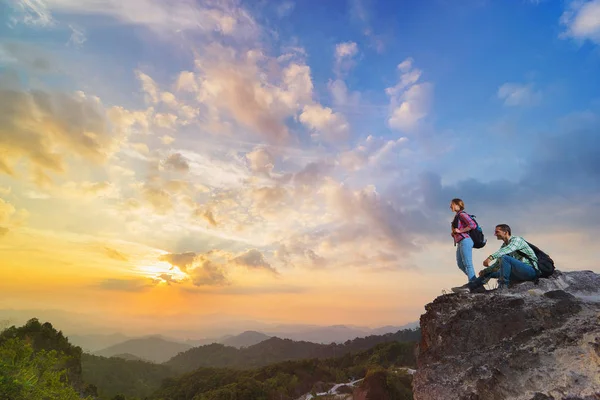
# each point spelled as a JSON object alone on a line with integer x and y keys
{"x": 516, "y": 243}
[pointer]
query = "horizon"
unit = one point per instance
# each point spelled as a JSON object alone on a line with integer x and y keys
{"x": 210, "y": 164}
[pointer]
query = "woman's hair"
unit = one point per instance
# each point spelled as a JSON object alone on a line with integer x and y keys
{"x": 459, "y": 203}
{"x": 504, "y": 228}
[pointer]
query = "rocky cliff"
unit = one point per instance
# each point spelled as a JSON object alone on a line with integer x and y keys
{"x": 534, "y": 342}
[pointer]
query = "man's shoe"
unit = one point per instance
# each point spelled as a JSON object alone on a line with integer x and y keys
{"x": 502, "y": 288}
{"x": 461, "y": 289}
{"x": 478, "y": 289}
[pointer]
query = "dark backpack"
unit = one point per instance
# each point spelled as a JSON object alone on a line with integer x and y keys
{"x": 476, "y": 234}
{"x": 545, "y": 263}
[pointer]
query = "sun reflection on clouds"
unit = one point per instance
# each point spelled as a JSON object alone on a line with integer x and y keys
{"x": 162, "y": 271}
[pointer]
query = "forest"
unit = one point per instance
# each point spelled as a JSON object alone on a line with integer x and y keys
{"x": 38, "y": 362}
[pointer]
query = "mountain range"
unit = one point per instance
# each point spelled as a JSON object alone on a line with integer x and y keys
{"x": 158, "y": 348}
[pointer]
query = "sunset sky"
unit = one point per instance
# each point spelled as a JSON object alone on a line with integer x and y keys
{"x": 168, "y": 164}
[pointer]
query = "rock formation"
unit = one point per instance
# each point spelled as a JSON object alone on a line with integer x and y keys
{"x": 534, "y": 342}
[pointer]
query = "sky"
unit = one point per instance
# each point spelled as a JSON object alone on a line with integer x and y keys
{"x": 175, "y": 165}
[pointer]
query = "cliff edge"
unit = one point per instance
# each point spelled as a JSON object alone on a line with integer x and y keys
{"x": 534, "y": 342}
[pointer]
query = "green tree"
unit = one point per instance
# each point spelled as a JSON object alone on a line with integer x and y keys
{"x": 29, "y": 375}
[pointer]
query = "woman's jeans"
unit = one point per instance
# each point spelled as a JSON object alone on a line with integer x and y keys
{"x": 464, "y": 257}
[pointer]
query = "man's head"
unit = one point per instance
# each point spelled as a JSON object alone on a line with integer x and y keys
{"x": 502, "y": 232}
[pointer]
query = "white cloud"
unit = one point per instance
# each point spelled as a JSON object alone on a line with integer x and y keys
{"x": 515, "y": 94}
{"x": 79, "y": 127}
{"x": 369, "y": 153}
{"x": 33, "y": 12}
{"x": 161, "y": 16}
{"x": 344, "y": 56}
{"x": 346, "y": 49}
{"x": 582, "y": 20}
{"x": 333, "y": 126}
{"x": 78, "y": 37}
{"x": 285, "y": 8}
{"x": 261, "y": 160}
{"x": 341, "y": 95}
{"x": 410, "y": 100}
{"x": 149, "y": 86}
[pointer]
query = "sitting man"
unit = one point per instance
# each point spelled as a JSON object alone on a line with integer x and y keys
{"x": 516, "y": 261}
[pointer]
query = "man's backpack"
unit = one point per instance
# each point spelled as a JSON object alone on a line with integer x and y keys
{"x": 476, "y": 234}
{"x": 545, "y": 263}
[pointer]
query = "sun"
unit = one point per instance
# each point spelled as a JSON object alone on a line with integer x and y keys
{"x": 160, "y": 269}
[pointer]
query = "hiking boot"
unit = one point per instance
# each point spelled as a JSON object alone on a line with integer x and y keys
{"x": 478, "y": 289}
{"x": 461, "y": 289}
{"x": 502, "y": 288}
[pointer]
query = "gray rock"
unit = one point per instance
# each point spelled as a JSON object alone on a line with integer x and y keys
{"x": 533, "y": 342}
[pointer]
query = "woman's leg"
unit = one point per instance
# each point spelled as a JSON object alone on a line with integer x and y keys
{"x": 466, "y": 255}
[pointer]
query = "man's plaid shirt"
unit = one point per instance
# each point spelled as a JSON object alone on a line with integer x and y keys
{"x": 513, "y": 248}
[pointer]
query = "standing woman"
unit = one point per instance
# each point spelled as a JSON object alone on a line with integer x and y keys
{"x": 461, "y": 225}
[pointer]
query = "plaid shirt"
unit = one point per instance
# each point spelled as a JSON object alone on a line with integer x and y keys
{"x": 515, "y": 245}
{"x": 464, "y": 220}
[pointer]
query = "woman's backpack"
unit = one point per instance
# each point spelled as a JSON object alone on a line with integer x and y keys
{"x": 476, "y": 234}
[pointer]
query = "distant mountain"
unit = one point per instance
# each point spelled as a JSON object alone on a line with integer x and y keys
{"x": 391, "y": 328}
{"x": 95, "y": 342}
{"x": 245, "y": 339}
{"x": 325, "y": 334}
{"x": 155, "y": 349}
{"x": 128, "y": 357}
{"x": 294, "y": 379}
{"x": 274, "y": 350}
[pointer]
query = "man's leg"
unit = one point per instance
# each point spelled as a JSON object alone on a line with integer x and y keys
{"x": 513, "y": 269}
{"x": 459, "y": 260}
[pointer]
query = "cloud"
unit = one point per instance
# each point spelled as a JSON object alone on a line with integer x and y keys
{"x": 114, "y": 254}
{"x": 168, "y": 278}
{"x": 209, "y": 217}
{"x": 372, "y": 151}
{"x": 10, "y": 216}
{"x": 222, "y": 18}
{"x": 582, "y": 20}
{"x": 410, "y": 101}
{"x": 253, "y": 259}
{"x": 285, "y": 8}
{"x": 261, "y": 160}
{"x": 208, "y": 273}
{"x": 241, "y": 92}
{"x": 344, "y": 56}
{"x": 24, "y": 56}
{"x": 133, "y": 285}
{"x": 181, "y": 260}
{"x": 44, "y": 127}
{"x": 332, "y": 126}
{"x": 177, "y": 162}
{"x": 360, "y": 12}
{"x": 515, "y": 94}
{"x": 341, "y": 95}
{"x": 78, "y": 37}
{"x": 33, "y": 12}
{"x": 157, "y": 197}
{"x": 561, "y": 180}
{"x": 313, "y": 173}
{"x": 167, "y": 140}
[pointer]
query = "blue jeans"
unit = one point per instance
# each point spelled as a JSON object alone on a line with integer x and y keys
{"x": 513, "y": 269}
{"x": 464, "y": 257}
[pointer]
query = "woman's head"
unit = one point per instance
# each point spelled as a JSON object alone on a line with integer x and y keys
{"x": 457, "y": 205}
